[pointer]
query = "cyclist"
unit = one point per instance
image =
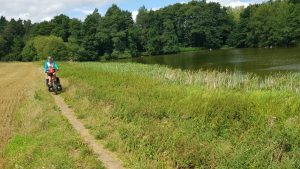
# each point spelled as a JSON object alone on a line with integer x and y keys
{"x": 50, "y": 68}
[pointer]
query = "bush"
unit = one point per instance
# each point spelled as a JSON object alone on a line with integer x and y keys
{"x": 107, "y": 56}
{"x": 120, "y": 55}
{"x": 126, "y": 54}
{"x": 12, "y": 57}
{"x": 115, "y": 54}
{"x": 42, "y": 46}
{"x": 76, "y": 52}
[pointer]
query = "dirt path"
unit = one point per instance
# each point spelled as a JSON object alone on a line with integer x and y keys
{"x": 108, "y": 159}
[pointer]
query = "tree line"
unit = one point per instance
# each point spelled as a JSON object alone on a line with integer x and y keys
{"x": 167, "y": 30}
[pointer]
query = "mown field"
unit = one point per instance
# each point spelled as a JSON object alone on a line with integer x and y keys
{"x": 33, "y": 133}
{"x": 156, "y": 117}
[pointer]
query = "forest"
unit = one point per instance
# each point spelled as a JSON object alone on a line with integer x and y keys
{"x": 167, "y": 30}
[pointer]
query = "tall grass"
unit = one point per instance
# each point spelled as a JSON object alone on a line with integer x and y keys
{"x": 156, "y": 117}
{"x": 208, "y": 79}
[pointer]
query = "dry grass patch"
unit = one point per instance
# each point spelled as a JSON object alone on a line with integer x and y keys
{"x": 16, "y": 80}
{"x": 33, "y": 133}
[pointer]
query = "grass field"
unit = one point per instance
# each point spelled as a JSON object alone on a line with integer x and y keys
{"x": 33, "y": 133}
{"x": 156, "y": 117}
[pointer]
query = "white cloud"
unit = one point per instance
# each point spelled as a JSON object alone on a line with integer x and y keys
{"x": 235, "y": 3}
{"x": 24, "y": 15}
{"x": 134, "y": 14}
{"x": 238, "y": 3}
{"x": 155, "y": 8}
{"x": 47, "y": 18}
{"x": 83, "y": 11}
{"x": 38, "y": 10}
{"x": 2, "y": 13}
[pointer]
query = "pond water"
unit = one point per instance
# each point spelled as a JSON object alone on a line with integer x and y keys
{"x": 258, "y": 61}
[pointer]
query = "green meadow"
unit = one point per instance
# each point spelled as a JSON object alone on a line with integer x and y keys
{"x": 156, "y": 117}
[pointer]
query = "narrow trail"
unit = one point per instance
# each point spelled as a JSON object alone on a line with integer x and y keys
{"x": 108, "y": 159}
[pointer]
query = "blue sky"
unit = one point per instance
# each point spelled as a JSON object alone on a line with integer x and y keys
{"x": 39, "y": 10}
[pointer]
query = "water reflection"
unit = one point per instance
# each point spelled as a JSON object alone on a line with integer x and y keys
{"x": 259, "y": 61}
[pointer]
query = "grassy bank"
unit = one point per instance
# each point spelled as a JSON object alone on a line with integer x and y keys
{"x": 34, "y": 134}
{"x": 181, "y": 49}
{"x": 156, "y": 117}
{"x": 190, "y": 49}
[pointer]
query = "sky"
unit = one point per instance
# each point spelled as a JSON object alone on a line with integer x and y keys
{"x": 40, "y": 10}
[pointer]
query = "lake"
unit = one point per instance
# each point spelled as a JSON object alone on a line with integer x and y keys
{"x": 258, "y": 61}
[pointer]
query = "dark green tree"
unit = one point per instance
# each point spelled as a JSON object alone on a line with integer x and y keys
{"x": 3, "y": 23}
{"x": 3, "y": 47}
{"x": 12, "y": 34}
{"x": 61, "y": 27}
{"x": 294, "y": 24}
{"x": 117, "y": 24}
{"x": 44, "y": 28}
{"x": 76, "y": 32}
{"x": 116, "y": 35}
{"x": 16, "y": 49}
{"x": 169, "y": 38}
{"x": 150, "y": 27}
{"x": 91, "y": 42}
{"x": 28, "y": 27}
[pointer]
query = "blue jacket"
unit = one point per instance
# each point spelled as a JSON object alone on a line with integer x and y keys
{"x": 48, "y": 64}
